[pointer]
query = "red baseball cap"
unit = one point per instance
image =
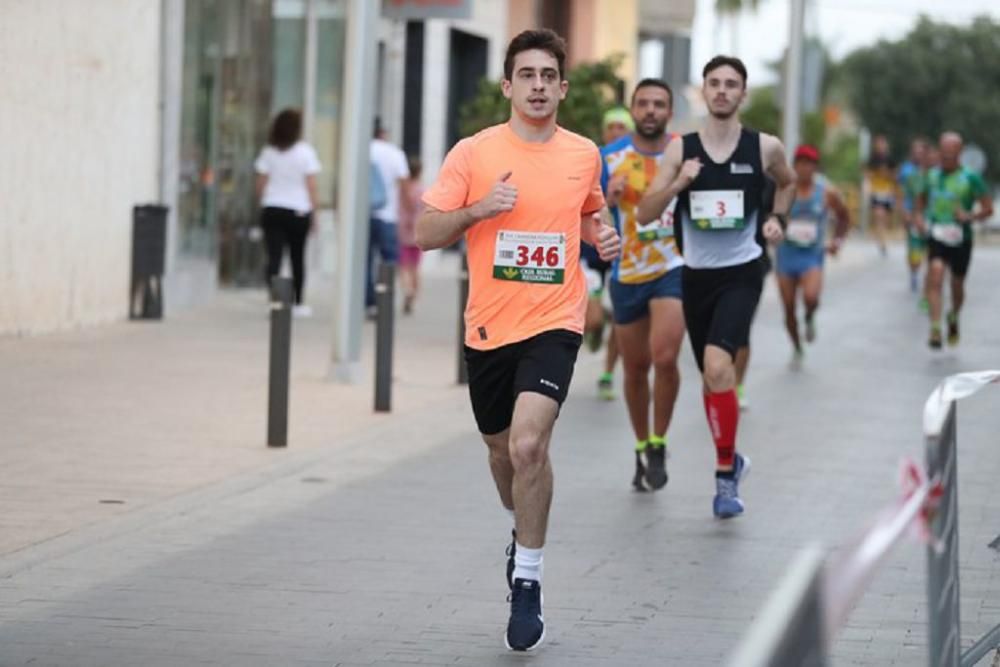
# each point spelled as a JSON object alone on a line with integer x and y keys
{"x": 807, "y": 152}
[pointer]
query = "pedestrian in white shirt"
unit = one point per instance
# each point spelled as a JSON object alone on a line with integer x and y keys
{"x": 391, "y": 163}
{"x": 286, "y": 188}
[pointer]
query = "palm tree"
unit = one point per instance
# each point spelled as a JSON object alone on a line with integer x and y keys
{"x": 732, "y": 9}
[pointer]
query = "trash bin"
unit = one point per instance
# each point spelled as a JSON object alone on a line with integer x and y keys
{"x": 149, "y": 249}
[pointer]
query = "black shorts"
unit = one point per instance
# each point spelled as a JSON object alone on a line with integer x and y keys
{"x": 956, "y": 258}
{"x": 883, "y": 201}
{"x": 719, "y": 306}
{"x": 542, "y": 364}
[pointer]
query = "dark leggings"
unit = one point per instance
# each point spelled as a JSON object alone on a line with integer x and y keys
{"x": 283, "y": 227}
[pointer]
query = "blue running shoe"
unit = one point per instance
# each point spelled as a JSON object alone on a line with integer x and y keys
{"x": 727, "y": 503}
{"x": 526, "y": 628}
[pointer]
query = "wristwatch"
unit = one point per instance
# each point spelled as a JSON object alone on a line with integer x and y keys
{"x": 782, "y": 220}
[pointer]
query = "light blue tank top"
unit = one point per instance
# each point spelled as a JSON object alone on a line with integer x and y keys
{"x": 807, "y": 220}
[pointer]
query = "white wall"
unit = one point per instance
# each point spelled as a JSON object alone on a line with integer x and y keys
{"x": 79, "y": 135}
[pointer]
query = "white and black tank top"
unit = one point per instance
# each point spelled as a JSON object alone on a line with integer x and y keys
{"x": 720, "y": 211}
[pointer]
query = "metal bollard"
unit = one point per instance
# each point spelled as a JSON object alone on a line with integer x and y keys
{"x": 463, "y": 298}
{"x": 281, "y": 344}
{"x": 384, "y": 302}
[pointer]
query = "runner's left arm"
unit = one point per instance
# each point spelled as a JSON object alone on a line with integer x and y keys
{"x": 835, "y": 201}
{"x": 773, "y": 156}
{"x": 982, "y": 194}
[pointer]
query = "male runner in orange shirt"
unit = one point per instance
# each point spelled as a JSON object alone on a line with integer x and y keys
{"x": 524, "y": 194}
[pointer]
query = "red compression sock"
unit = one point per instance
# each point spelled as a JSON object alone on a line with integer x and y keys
{"x": 723, "y": 412}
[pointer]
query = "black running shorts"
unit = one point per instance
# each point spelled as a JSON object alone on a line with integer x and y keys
{"x": 719, "y": 306}
{"x": 956, "y": 258}
{"x": 542, "y": 364}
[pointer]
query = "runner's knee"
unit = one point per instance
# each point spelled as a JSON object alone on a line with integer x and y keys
{"x": 528, "y": 450}
{"x": 718, "y": 374}
{"x": 665, "y": 357}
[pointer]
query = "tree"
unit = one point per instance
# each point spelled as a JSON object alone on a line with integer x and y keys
{"x": 732, "y": 9}
{"x": 939, "y": 77}
{"x": 593, "y": 89}
{"x": 735, "y": 6}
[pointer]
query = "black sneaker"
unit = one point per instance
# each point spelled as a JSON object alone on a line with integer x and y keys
{"x": 953, "y": 335}
{"x": 935, "y": 340}
{"x": 526, "y": 627}
{"x": 510, "y": 551}
{"x": 639, "y": 479}
{"x": 656, "y": 467}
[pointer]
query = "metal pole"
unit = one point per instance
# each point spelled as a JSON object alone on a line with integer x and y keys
{"x": 384, "y": 302}
{"x": 309, "y": 82}
{"x": 793, "y": 78}
{"x": 463, "y": 298}
{"x": 942, "y": 567}
{"x": 281, "y": 344}
{"x": 352, "y": 189}
{"x": 171, "y": 86}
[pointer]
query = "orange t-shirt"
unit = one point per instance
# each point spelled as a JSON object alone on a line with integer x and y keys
{"x": 533, "y": 282}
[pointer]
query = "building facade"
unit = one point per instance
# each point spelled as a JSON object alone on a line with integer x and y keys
{"x": 109, "y": 104}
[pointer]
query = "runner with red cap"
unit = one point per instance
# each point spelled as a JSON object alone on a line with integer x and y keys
{"x": 800, "y": 255}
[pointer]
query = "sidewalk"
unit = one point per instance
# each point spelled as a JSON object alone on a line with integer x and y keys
{"x": 378, "y": 540}
{"x": 104, "y": 421}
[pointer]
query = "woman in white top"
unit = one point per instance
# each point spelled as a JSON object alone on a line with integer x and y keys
{"x": 286, "y": 187}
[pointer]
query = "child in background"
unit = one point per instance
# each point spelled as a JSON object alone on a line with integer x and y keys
{"x": 410, "y": 208}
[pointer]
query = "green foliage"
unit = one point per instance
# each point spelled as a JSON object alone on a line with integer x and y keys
{"x": 840, "y": 155}
{"x": 593, "y": 89}
{"x": 488, "y": 107}
{"x": 735, "y": 6}
{"x": 939, "y": 77}
{"x": 763, "y": 113}
{"x": 842, "y": 160}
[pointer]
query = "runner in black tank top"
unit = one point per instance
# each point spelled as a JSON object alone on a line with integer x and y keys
{"x": 718, "y": 175}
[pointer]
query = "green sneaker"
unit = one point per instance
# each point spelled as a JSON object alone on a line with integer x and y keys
{"x": 952, "y": 329}
{"x": 592, "y": 339}
{"x": 935, "y": 340}
{"x": 741, "y": 397}
{"x": 605, "y": 387}
{"x": 811, "y": 329}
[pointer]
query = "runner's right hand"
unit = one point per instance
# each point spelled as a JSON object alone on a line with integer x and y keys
{"x": 690, "y": 169}
{"x": 500, "y": 199}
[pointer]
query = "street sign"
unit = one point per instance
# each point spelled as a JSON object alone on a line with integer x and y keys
{"x": 973, "y": 157}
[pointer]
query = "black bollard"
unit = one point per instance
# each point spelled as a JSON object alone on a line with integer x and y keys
{"x": 384, "y": 303}
{"x": 463, "y": 297}
{"x": 281, "y": 346}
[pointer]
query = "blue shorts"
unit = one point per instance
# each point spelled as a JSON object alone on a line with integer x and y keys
{"x": 631, "y": 300}
{"x": 796, "y": 262}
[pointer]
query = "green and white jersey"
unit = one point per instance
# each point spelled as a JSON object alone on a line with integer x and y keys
{"x": 948, "y": 193}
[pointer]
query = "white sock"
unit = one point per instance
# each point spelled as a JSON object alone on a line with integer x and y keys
{"x": 528, "y": 563}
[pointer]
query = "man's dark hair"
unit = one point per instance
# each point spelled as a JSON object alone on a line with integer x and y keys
{"x": 653, "y": 83}
{"x": 543, "y": 40}
{"x": 722, "y": 61}
{"x": 286, "y": 129}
